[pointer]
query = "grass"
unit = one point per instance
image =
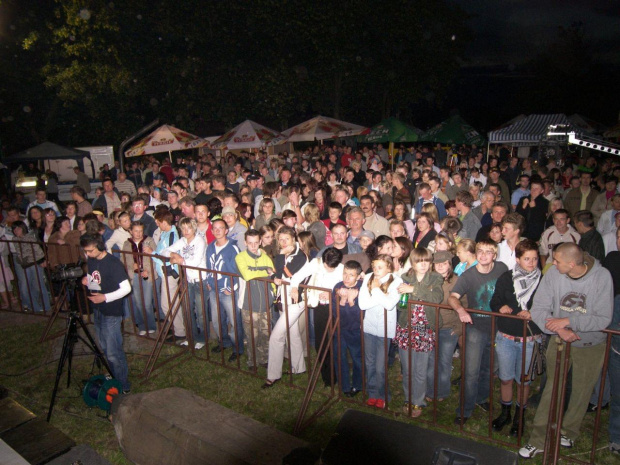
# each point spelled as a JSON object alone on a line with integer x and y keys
{"x": 28, "y": 369}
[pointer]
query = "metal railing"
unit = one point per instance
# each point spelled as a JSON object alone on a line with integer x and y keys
{"x": 182, "y": 300}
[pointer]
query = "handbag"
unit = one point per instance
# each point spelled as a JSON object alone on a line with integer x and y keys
{"x": 538, "y": 363}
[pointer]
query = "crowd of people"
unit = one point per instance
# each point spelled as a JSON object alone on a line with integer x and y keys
{"x": 532, "y": 239}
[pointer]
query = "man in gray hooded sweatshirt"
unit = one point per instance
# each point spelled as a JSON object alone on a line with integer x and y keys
{"x": 573, "y": 303}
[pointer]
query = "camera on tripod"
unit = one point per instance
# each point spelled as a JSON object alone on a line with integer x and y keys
{"x": 67, "y": 272}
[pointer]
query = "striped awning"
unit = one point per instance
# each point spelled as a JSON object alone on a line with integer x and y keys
{"x": 527, "y": 131}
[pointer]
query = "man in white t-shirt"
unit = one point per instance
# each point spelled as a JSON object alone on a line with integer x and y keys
{"x": 560, "y": 232}
{"x": 513, "y": 226}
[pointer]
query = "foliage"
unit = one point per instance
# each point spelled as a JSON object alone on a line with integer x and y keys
{"x": 101, "y": 69}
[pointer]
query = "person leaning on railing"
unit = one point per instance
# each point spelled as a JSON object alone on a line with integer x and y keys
{"x": 574, "y": 303}
{"x": 514, "y": 294}
{"x": 416, "y": 328}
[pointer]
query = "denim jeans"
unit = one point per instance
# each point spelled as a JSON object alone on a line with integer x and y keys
{"x": 510, "y": 357}
{"x": 231, "y": 323}
{"x": 477, "y": 368}
{"x": 447, "y": 344}
{"x": 351, "y": 342}
{"x": 614, "y": 379}
{"x": 375, "y": 354}
{"x": 142, "y": 300}
{"x": 108, "y": 331}
{"x": 419, "y": 374}
{"x": 32, "y": 287}
{"x": 198, "y": 310}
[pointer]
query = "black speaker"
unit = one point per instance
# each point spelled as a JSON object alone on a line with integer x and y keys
{"x": 366, "y": 439}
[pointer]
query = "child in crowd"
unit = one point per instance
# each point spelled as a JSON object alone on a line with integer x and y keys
{"x": 378, "y": 296}
{"x": 349, "y": 338}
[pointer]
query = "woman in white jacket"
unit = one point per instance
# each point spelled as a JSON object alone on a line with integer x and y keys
{"x": 379, "y": 297}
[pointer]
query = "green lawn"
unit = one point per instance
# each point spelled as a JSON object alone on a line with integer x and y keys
{"x": 28, "y": 369}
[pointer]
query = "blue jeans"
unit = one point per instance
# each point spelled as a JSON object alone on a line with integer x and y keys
{"x": 351, "y": 342}
{"x": 477, "y": 368}
{"x": 142, "y": 299}
{"x": 157, "y": 305}
{"x": 375, "y": 353}
{"x": 199, "y": 310}
{"x": 510, "y": 357}
{"x": 108, "y": 331}
{"x": 447, "y": 344}
{"x": 419, "y": 374}
{"x": 228, "y": 316}
{"x": 32, "y": 287}
{"x": 614, "y": 379}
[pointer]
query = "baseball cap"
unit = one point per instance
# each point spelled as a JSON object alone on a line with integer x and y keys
{"x": 369, "y": 234}
{"x": 442, "y": 256}
{"x": 228, "y": 211}
{"x": 98, "y": 212}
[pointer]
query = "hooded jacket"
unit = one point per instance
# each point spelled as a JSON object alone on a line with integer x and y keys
{"x": 587, "y": 302}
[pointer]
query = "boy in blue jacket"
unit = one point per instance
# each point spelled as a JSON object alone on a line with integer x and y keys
{"x": 221, "y": 255}
{"x": 348, "y": 336}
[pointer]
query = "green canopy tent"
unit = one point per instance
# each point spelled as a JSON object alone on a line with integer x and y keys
{"x": 389, "y": 130}
{"x": 454, "y": 130}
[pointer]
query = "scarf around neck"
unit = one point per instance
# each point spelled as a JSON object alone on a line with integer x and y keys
{"x": 136, "y": 250}
{"x": 525, "y": 284}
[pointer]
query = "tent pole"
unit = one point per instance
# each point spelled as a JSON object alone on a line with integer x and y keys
{"x": 170, "y": 155}
{"x": 391, "y": 152}
{"x": 488, "y": 148}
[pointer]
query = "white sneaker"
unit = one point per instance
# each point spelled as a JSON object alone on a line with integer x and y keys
{"x": 199, "y": 345}
{"x": 142, "y": 333}
{"x": 152, "y": 331}
{"x": 567, "y": 442}
{"x": 184, "y": 343}
{"x": 528, "y": 451}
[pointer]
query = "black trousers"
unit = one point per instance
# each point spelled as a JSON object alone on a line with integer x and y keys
{"x": 321, "y": 319}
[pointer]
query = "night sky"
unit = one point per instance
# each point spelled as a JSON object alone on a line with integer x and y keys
{"x": 509, "y": 32}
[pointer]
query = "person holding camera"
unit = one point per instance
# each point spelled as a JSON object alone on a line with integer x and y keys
{"x": 107, "y": 283}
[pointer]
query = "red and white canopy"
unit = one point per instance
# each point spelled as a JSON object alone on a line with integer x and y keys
{"x": 248, "y": 135}
{"x": 166, "y": 139}
{"x": 320, "y": 128}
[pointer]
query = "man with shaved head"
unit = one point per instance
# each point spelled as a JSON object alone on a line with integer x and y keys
{"x": 573, "y": 303}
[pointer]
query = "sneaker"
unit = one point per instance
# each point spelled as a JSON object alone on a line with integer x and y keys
{"x": 528, "y": 451}
{"x": 614, "y": 448}
{"x": 152, "y": 331}
{"x": 199, "y": 345}
{"x": 456, "y": 354}
{"x": 126, "y": 391}
{"x": 371, "y": 402}
{"x": 184, "y": 343}
{"x": 567, "y": 442}
{"x": 142, "y": 333}
{"x": 380, "y": 403}
{"x": 484, "y": 406}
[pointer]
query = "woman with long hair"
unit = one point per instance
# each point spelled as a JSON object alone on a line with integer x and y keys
{"x": 514, "y": 295}
{"x": 378, "y": 297}
{"x": 416, "y": 328}
{"x": 267, "y": 212}
{"x": 308, "y": 244}
{"x": 432, "y": 210}
{"x": 314, "y": 224}
{"x": 450, "y": 330}
{"x": 424, "y": 230}
{"x": 121, "y": 234}
{"x": 267, "y": 242}
{"x": 49, "y": 219}
{"x": 35, "y": 220}
{"x": 401, "y": 251}
{"x": 383, "y": 245}
{"x": 288, "y": 262}
{"x": 466, "y": 251}
{"x": 401, "y": 213}
{"x": 57, "y": 251}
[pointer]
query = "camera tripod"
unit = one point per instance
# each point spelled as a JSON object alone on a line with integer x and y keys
{"x": 71, "y": 337}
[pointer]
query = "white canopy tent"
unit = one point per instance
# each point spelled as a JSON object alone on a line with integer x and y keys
{"x": 321, "y": 128}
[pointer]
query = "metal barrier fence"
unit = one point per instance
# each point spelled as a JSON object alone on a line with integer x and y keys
{"x": 164, "y": 304}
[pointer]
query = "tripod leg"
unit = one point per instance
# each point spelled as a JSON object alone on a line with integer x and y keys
{"x": 65, "y": 353}
{"x": 94, "y": 347}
